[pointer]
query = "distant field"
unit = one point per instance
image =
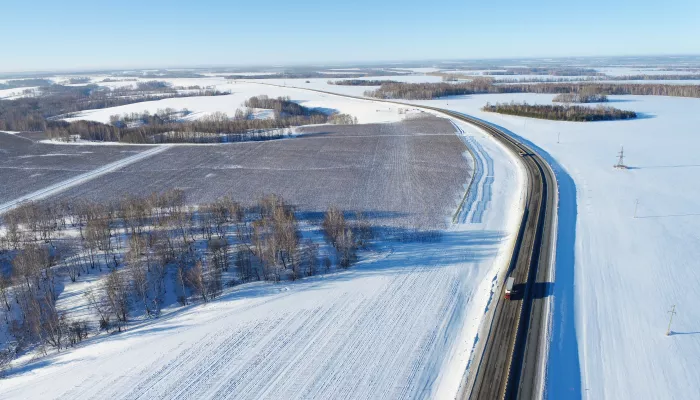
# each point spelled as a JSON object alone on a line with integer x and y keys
{"x": 406, "y": 174}
{"x": 27, "y": 166}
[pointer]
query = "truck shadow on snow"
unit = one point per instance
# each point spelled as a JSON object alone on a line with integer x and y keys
{"x": 540, "y": 290}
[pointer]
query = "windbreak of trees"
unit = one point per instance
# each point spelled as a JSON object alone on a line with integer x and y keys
{"x": 160, "y": 74}
{"x": 282, "y": 107}
{"x": 669, "y": 77}
{"x": 19, "y": 83}
{"x": 607, "y": 89}
{"x": 361, "y": 82}
{"x": 214, "y": 128}
{"x": 108, "y": 79}
{"x": 316, "y": 74}
{"x": 32, "y": 113}
{"x": 167, "y": 115}
{"x": 78, "y": 80}
{"x": 553, "y": 71}
{"x": 560, "y": 113}
{"x": 580, "y": 98}
{"x": 141, "y": 247}
{"x": 427, "y": 91}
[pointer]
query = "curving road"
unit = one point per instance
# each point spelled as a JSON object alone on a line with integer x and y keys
{"x": 509, "y": 362}
{"x": 511, "y": 357}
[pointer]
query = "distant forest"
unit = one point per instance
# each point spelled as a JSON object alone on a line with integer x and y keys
{"x": 218, "y": 127}
{"x": 20, "y": 83}
{"x": 560, "y": 113}
{"x": 679, "y": 77}
{"x": 555, "y": 71}
{"x": 427, "y": 91}
{"x": 314, "y": 74}
{"x": 361, "y": 82}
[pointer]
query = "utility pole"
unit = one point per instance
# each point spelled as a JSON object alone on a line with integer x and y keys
{"x": 558, "y": 136}
{"x": 636, "y": 204}
{"x": 672, "y": 312}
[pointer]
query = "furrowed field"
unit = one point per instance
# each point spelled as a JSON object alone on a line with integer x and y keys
{"x": 27, "y": 165}
{"x": 408, "y": 174}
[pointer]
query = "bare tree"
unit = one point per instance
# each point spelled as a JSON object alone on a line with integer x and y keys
{"x": 195, "y": 278}
{"x": 117, "y": 297}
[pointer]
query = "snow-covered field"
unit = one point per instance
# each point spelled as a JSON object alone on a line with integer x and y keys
{"x": 617, "y": 276}
{"x": 79, "y": 179}
{"x": 366, "y": 112}
{"x": 11, "y": 94}
{"x": 399, "y": 324}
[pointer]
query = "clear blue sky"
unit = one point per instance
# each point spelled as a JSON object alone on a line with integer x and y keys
{"x": 78, "y": 34}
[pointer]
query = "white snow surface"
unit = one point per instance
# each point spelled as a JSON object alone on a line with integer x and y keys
{"x": 16, "y": 93}
{"x": 366, "y": 112}
{"x": 617, "y": 276}
{"x": 401, "y": 323}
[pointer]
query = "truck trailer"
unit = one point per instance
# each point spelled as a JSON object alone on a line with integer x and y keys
{"x": 509, "y": 287}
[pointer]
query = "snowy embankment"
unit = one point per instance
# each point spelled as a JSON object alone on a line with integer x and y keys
{"x": 618, "y": 275}
{"x": 400, "y": 324}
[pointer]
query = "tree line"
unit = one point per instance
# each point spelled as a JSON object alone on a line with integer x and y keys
{"x": 361, "y": 82}
{"x": 140, "y": 247}
{"x": 217, "y": 127}
{"x": 19, "y": 83}
{"x": 559, "y": 112}
{"x": 669, "y": 77}
{"x": 581, "y": 97}
{"x": 314, "y": 74}
{"x": 481, "y": 85}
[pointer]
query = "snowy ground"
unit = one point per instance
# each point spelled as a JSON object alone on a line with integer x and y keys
{"x": 15, "y": 93}
{"x": 399, "y": 324}
{"x": 365, "y": 112}
{"x": 617, "y": 276}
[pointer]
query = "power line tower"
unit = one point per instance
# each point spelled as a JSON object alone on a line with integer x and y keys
{"x": 672, "y": 312}
{"x": 621, "y": 159}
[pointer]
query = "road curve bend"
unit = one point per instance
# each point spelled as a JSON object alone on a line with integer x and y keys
{"x": 508, "y": 364}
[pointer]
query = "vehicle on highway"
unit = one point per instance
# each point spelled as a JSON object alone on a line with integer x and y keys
{"x": 509, "y": 287}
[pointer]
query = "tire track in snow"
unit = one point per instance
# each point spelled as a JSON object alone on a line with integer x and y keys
{"x": 479, "y": 193}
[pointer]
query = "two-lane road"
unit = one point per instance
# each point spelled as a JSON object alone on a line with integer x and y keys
{"x": 509, "y": 361}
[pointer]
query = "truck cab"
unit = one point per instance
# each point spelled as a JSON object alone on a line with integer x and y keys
{"x": 509, "y": 287}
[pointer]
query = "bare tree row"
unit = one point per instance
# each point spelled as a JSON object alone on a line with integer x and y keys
{"x": 147, "y": 252}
